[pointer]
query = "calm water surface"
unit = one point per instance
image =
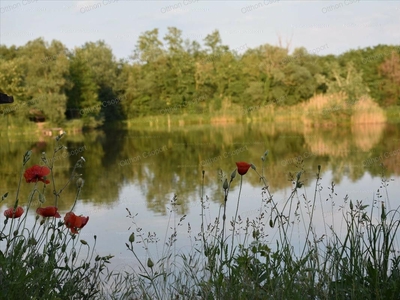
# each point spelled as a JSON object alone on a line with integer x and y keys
{"x": 157, "y": 174}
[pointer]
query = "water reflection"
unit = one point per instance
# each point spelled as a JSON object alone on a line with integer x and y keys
{"x": 162, "y": 162}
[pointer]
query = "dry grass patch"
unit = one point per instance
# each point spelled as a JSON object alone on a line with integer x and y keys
{"x": 366, "y": 111}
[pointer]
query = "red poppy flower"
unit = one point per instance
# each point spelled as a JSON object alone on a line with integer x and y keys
{"x": 50, "y": 211}
{"x": 75, "y": 222}
{"x": 243, "y": 167}
{"x": 37, "y": 173}
{"x": 11, "y": 213}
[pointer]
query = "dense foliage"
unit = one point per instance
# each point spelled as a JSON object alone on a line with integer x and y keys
{"x": 174, "y": 76}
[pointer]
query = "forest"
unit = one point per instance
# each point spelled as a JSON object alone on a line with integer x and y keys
{"x": 170, "y": 75}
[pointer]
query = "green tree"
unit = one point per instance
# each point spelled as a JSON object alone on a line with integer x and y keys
{"x": 46, "y": 78}
{"x": 178, "y": 77}
{"x": 347, "y": 80}
{"x": 83, "y": 100}
{"x": 272, "y": 65}
{"x": 148, "y": 48}
{"x": 129, "y": 89}
{"x": 151, "y": 59}
{"x": 12, "y": 78}
{"x": 300, "y": 82}
{"x": 94, "y": 72}
{"x": 213, "y": 41}
{"x": 368, "y": 61}
{"x": 8, "y": 53}
{"x": 390, "y": 70}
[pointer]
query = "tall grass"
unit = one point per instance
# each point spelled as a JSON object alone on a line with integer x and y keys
{"x": 321, "y": 109}
{"x": 236, "y": 258}
{"x": 334, "y": 109}
{"x": 45, "y": 260}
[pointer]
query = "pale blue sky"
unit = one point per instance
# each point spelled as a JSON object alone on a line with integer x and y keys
{"x": 330, "y": 26}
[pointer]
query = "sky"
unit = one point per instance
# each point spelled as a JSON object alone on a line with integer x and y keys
{"x": 322, "y": 27}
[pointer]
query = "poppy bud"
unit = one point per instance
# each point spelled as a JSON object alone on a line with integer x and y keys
{"x": 42, "y": 222}
{"x": 132, "y": 237}
{"x": 42, "y": 199}
{"x": 16, "y": 232}
{"x": 233, "y": 174}
{"x": 253, "y": 167}
{"x": 44, "y": 159}
{"x": 256, "y": 234}
{"x": 271, "y": 223}
{"x": 79, "y": 183}
{"x": 32, "y": 241}
{"x": 383, "y": 214}
{"x": 59, "y": 137}
{"x": 84, "y": 242}
{"x": 63, "y": 248}
{"x": 150, "y": 263}
{"x": 4, "y": 196}
{"x": 225, "y": 185}
{"x": 27, "y": 156}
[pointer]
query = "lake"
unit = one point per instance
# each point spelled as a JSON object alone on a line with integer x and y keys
{"x": 157, "y": 174}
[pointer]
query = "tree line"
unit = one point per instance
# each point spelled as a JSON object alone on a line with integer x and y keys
{"x": 171, "y": 75}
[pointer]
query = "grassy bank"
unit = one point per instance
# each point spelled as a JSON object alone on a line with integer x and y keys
{"x": 321, "y": 110}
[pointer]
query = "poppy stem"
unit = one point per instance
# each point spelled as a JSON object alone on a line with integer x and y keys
{"x": 27, "y": 209}
{"x": 18, "y": 188}
{"x": 202, "y": 212}
{"x": 237, "y": 209}
{"x": 223, "y": 223}
{"x": 274, "y": 207}
{"x": 76, "y": 198}
{"x": 16, "y": 198}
